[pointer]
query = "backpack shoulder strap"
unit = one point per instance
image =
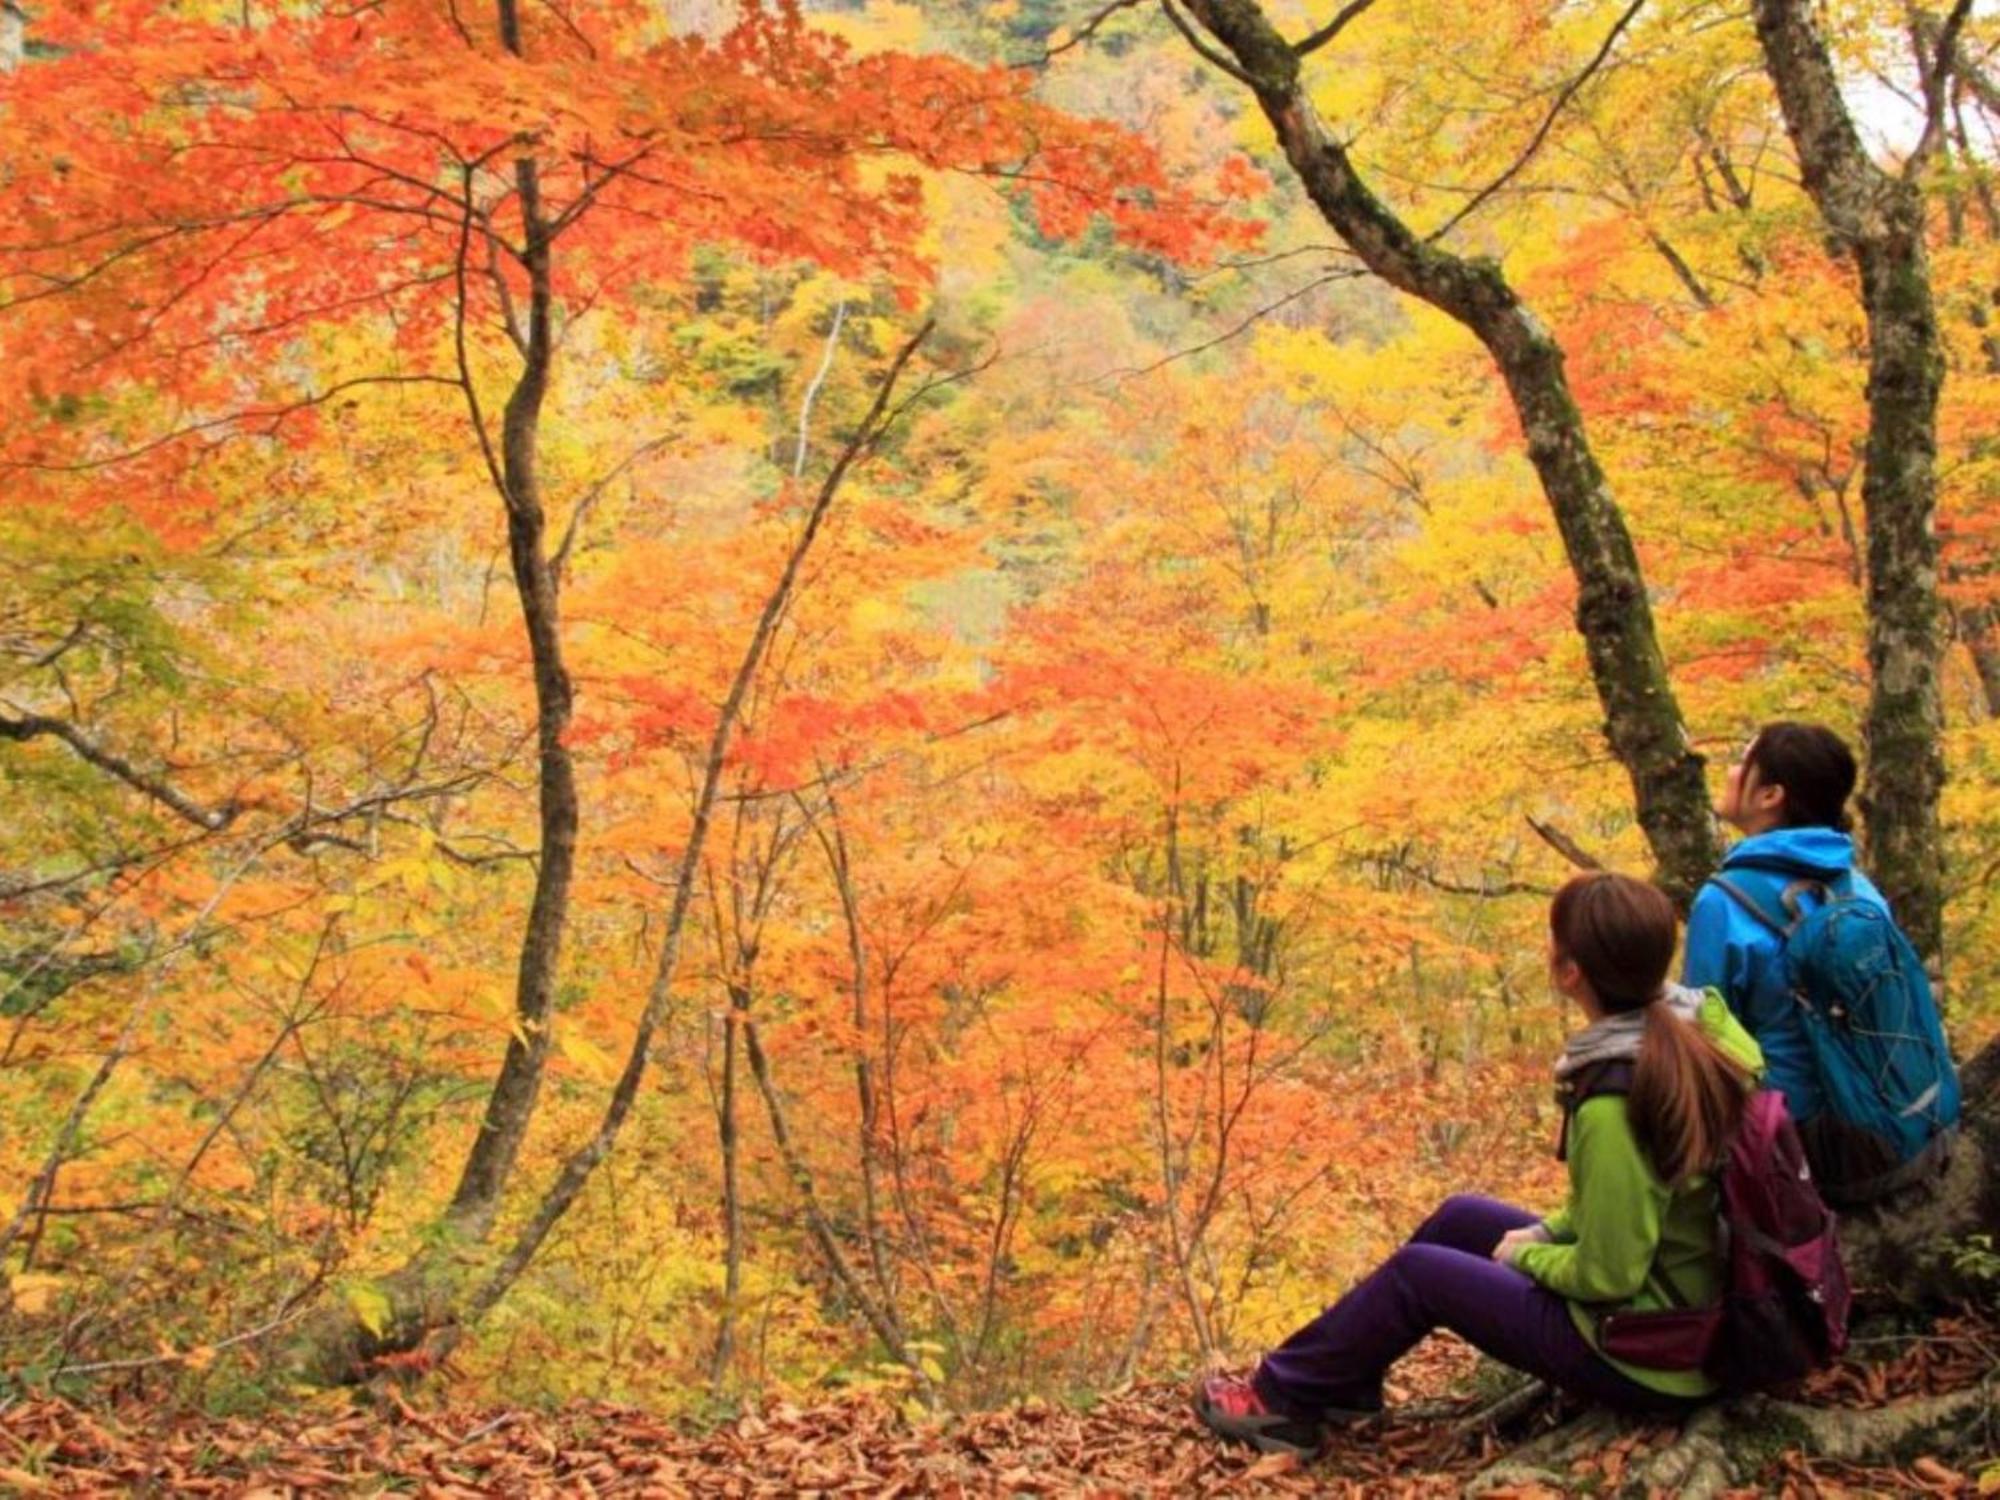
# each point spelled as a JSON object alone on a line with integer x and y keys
{"x": 1612, "y": 1076}
{"x": 1751, "y": 904}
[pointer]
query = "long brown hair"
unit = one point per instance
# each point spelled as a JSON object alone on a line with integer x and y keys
{"x": 1687, "y": 1093}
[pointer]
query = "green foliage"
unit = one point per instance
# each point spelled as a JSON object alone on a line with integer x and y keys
{"x": 1976, "y": 1259}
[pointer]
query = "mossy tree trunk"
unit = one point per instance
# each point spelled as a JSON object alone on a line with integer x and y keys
{"x": 1642, "y": 721}
{"x": 1878, "y": 219}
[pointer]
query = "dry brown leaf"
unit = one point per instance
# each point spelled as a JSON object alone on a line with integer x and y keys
{"x": 1271, "y": 1465}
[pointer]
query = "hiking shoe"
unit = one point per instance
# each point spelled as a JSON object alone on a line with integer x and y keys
{"x": 1231, "y": 1408}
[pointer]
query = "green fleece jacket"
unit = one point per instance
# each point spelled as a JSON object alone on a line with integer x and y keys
{"x": 1624, "y": 1238}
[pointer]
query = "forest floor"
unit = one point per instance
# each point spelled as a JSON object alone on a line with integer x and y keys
{"x": 1139, "y": 1441}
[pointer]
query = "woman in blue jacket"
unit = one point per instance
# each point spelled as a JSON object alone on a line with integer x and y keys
{"x": 1787, "y": 795}
{"x": 1861, "y": 1060}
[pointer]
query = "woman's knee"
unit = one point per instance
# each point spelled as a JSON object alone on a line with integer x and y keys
{"x": 1420, "y": 1270}
{"x": 1465, "y": 1221}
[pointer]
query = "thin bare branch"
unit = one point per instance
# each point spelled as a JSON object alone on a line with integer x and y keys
{"x": 1936, "y": 71}
{"x": 1564, "y": 845}
{"x": 1082, "y": 35}
{"x": 32, "y": 726}
{"x": 1563, "y": 97}
{"x": 1194, "y": 39}
{"x": 1487, "y": 887}
{"x": 1236, "y": 330}
{"x": 155, "y": 1361}
{"x": 582, "y": 508}
{"x": 1345, "y": 16}
{"x": 464, "y": 381}
{"x": 263, "y": 419}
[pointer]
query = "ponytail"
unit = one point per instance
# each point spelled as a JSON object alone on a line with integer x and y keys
{"x": 1687, "y": 1097}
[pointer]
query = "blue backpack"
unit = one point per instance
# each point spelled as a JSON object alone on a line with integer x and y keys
{"x": 1876, "y": 1041}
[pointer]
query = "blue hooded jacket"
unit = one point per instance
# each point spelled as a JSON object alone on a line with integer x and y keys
{"x": 1733, "y": 952}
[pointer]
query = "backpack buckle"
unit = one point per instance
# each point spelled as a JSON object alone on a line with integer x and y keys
{"x": 1789, "y": 897}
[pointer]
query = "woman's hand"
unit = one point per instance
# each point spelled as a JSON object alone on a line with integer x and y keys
{"x": 1515, "y": 1240}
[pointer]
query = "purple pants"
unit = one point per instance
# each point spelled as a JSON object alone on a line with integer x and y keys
{"x": 1445, "y": 1277}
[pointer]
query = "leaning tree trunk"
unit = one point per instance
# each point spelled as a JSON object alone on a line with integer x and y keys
{"x": 428, "y": 1298}
{"x": 1879, "y": 220}
{"x": 1642, "y": 720}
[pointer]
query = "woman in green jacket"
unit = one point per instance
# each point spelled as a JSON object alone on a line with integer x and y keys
{"x": 1638, "y": 1232}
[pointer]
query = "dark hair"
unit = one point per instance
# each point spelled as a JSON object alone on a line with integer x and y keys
{"x": 1813, "y": 765}
{"x": 1687, "y": 1094}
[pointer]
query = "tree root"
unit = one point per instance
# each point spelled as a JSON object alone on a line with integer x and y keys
{"x": 1697, "y": 1464}
{"x": 1730, "y": 1443}
{"x": 1545, "y": 1460}
{"x": 408, "y": 1328}
{"x": 1903, "y": 1429}
{"x": 1496, "y": 1414}
{"x": 1522, "y": 1401}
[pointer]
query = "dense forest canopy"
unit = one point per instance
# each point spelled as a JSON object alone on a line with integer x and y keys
{"x": 837, "y": 693}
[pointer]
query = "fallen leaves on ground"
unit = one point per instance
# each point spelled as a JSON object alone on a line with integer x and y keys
{"x": 1142, "y": 1440}
{"x": 1139, "y": 1441}
{"x": 1957, "y": 1352}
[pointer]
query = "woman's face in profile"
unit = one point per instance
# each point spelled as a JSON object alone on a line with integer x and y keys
{"x": 1739, "y": 805}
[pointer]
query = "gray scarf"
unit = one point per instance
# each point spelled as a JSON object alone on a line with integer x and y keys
{"x": 1619, "y": 1036}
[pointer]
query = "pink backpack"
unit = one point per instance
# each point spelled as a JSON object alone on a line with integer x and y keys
{"x": 1785, "y": 1296}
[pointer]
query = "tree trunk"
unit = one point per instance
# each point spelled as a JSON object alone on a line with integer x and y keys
{"x": 1878, "y": 219}
{"x": 732, "y": 1214}
{"x": 1642, "y": 720}
{"x": 511, "y": 1104}
{"x": 1979, "y": 628}
{"x": 13, "y": 36}
{"x": 425, "y": 1296}
{"x": 833, "y": 842}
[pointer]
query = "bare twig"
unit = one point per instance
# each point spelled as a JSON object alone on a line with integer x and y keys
{"x": 1082, "y": 35}
{"x": 1403, "y": 865}
{"x": 1563, "y": 97}
{"x": 1194, "y": 39}
{"x": 464, "y": 381}
{"x": 1564, "y": 845}
{"x": 560, "y": 561}
{"x": 32, "y": 726}
{"x": 1235, "y": 330}
{"x": 151, "y": 1362}
{"x": 1352, "y": 11}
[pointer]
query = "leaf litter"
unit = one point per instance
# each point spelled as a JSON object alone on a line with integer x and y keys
{"x": 1141, "y": 1440}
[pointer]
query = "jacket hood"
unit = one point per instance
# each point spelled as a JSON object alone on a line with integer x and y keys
{"x": 1821, "y": 852}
